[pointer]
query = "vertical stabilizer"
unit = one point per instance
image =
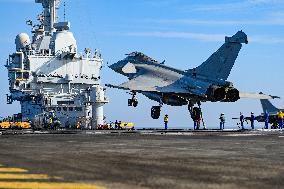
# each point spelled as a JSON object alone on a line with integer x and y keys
{"x": 267, "y": 106}
{"x": 219, "y": 64}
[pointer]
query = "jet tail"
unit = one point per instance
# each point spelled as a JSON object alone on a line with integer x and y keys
{"x": 268, "y": 106}
{"x": 219, "y": 65}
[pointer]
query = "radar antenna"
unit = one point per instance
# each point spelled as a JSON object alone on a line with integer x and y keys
{"x": 49, "y": 13}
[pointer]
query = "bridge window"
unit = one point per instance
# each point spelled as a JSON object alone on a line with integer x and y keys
{"x": 78, "y": 109}
{"x": 26, "y": 75}
{"x": 65, "y": 102}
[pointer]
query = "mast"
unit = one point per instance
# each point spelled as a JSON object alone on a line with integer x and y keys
{"x": 49, "y": 13}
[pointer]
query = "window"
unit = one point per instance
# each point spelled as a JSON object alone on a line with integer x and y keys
{"x": 59, "y": 109}
{"x": 19, "y": 75}
{"x": 26, "y": 75}
{"x": 65, "y": 102}
{"x": 17, "y": 83}
{"x": 51, "y": 109}
{"x": 71, "y": 108}
{"x": 65, "y": 109}
{"x": 78, "y": 109}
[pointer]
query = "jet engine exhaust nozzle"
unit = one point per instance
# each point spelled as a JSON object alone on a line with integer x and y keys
{"x": 233, "y": 95}
{"x": 216, "y": 93}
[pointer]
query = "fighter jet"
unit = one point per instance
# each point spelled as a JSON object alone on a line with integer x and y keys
{"x": 270, "y": 109}
{"x": 267, "y": 107}
{"x": 174, "y": 87}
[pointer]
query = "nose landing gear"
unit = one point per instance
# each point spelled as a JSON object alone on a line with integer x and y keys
{"x": 133, "y": 101}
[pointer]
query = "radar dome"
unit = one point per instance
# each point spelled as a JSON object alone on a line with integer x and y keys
{"x": 22, "y": 40}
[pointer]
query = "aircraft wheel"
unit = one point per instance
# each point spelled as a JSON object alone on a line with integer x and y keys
{"x": 130, "y": 102}
{"x": 155, "y": 112}
{"x": 135, "y": 103}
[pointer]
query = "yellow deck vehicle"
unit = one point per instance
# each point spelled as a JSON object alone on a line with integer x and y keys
{"x": 19, "y": 125}
{"x": 23, "y": 125}
{"x": 127, "y": 125}
{"x": 5, "y": 125}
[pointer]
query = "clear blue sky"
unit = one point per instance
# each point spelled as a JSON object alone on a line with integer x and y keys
{"x": 182, "y": 32}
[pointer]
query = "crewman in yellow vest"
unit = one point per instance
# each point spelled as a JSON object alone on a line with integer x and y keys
{"x": 166, "y": 120}
{"x": 280, "y": 117}
{"x": 50, "y": 123}
{"x": 78, "y": 125}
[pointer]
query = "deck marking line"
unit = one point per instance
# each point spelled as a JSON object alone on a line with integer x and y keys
{"x": 26, "y": 176}
{"x": 12, "y": 170}
{"x": 47, "y": 185}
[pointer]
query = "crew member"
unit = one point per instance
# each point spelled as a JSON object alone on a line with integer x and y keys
{"x": 116, "y": 124}
{"x": 252, "y": 118}
{"x": 50, "y": 123}
{"x": 242, "y": 120}
{"x": 166, "y": 120}
{"x": 193, "y": 116}
{"x": 78, "y": 125}
{"x": 119, "y": 125}
{"x": 266, "y": 119}
{"x": 196, "y": 116}
{"x": 280, "y": 117}
{"x": 222, "y": 121}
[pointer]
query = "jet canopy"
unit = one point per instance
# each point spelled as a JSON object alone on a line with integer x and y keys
{"x": 141, "y": 57}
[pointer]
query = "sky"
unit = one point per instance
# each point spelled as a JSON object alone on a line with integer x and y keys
{"x": 182, "y": 32}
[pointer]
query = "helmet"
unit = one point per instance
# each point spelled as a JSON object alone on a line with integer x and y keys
{"x": 252, "y": 113}
{"x": 222, "y": 114}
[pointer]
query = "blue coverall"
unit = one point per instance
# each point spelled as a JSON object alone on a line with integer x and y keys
{"x": 252, "y": 118}
{"x": 222, "y": 122}
{"x": 266, "y": 119}
{"x": 242, "y": 120}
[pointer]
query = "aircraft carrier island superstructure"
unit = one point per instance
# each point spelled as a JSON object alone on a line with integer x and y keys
{"x": 47, "y": 75}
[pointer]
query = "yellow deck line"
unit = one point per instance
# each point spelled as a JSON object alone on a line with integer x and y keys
{"x": 12, "y": 170}
{"x": 26, "y": 176}
{"x": 46, "y": 185}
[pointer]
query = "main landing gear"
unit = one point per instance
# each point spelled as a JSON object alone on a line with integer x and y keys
{"x": 196, "y": 114}
{"x": 191, "y": 106}
{"x": 155, "y": 112}
{"x": 133, "y": 101}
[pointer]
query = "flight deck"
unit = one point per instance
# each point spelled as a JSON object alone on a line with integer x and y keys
{"x": 144, "y": 159}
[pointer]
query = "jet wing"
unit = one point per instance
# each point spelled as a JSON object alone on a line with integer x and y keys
{"x": 257, "y": 96}
{"x": 140, "y": 83}
{"x": 145, "y": 83}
